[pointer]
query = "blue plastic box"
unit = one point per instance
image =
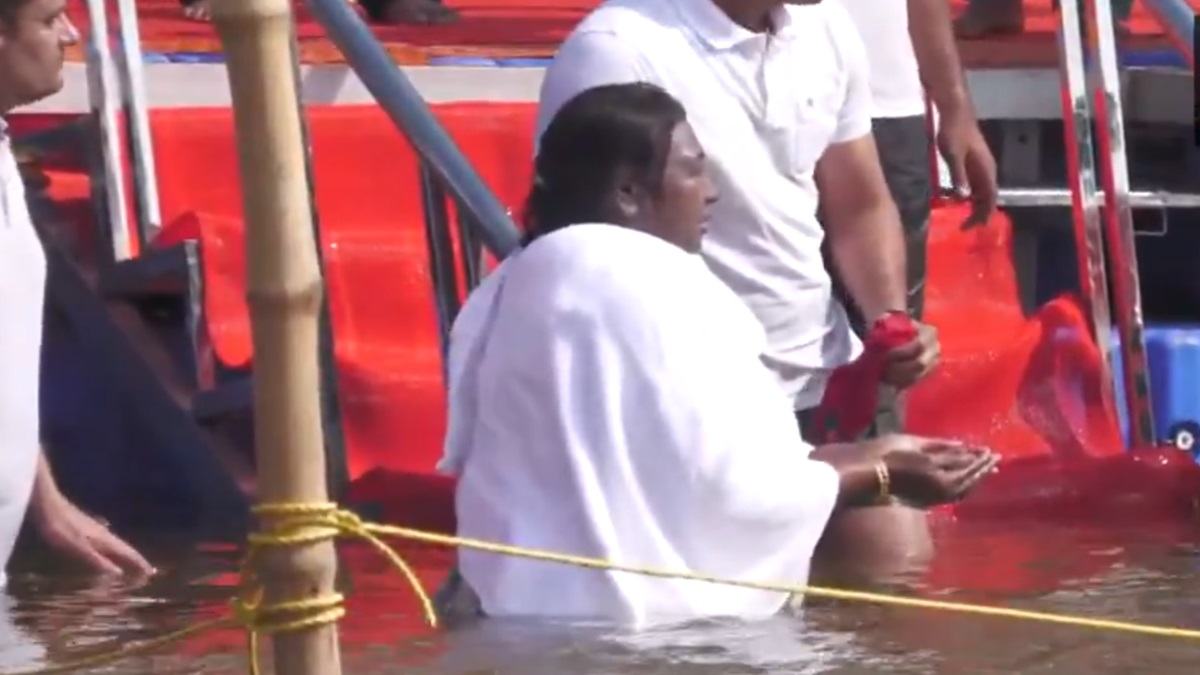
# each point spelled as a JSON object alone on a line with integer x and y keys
{"x": 1173, "y": 351}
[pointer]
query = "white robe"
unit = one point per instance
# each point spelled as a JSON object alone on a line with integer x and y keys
{"x": 607, "y": 400}
{"x": 22, "y": 294}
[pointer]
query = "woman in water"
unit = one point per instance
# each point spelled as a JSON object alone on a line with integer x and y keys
{"x": 607, "y": 398}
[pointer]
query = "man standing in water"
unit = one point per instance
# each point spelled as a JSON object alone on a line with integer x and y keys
{"x": 911, "y": 50}
{"x": 33, "y": 37}
{"x": 779, "y": 96}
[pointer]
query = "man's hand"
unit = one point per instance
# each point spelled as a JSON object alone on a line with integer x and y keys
{"x": 959, "y": 140}
{"x": 70, "y": 531}
{"x": 972, "y": 167}
{"x": 907, "y": 364}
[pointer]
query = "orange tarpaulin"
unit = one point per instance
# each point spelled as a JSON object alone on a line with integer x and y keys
{"x": 1030, "y": 387}
{"x": 375, "y": 255}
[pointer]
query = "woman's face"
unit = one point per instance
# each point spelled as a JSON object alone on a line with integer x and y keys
{"x": 679, "y": 212}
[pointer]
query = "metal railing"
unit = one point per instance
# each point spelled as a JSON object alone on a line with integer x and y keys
{"x": 1093, "y": 121}
{"x": 116, "y": 91}
{"x": 446, "y": 175}
{"x": 118, "y": 102}
{"x": 1138, "y": 199}
{"x": 137, "y": 122}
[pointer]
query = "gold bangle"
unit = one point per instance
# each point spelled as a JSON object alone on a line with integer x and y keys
{"x": 884, "y": 478}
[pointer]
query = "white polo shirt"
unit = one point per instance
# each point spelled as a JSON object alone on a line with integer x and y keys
{"x": 765, "y": 108}
{"x": 896, "y": 88}
{"x": 22, "y": 294}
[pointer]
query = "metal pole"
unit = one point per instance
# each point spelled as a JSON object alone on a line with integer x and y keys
{"x": 408, "y": 110}
{"x": 1178, "y": 21}
{"x": 103, "y": 100}
{"x": 1118, "y": 219}
{"x": 1081, "y": 176}
{"x": 137, "y": 121}
{"x": 1140, "y": 199}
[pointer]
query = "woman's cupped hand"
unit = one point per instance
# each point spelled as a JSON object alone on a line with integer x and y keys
{"x": 927, "y": 472}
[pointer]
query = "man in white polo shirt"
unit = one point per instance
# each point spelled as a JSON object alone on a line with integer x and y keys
{"x": 779, "y": 97}
{"x": 33, "y": 37}
{"x": 911, "y": 49}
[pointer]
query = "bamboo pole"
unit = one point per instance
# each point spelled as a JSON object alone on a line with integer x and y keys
{"x": 284, "y": 292}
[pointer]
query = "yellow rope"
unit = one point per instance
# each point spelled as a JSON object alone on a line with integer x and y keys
{"x": 307, "y": 524}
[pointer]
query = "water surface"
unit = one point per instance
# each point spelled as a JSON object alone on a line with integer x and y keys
{"x": 1143, "y": 575}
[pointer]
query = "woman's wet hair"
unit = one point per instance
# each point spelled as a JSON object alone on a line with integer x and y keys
{"x": 584, "y": 149}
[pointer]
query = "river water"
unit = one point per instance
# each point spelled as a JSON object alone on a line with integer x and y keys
{"x": 1143, "y": 575}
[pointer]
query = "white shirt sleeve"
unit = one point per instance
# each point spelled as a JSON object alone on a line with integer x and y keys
{"x": 854, "y": 119}
{"x": 588, "y": 59}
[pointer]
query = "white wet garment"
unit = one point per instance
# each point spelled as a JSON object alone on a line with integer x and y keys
{"x": 22, "y": 294}
{"x": 607, "y": 400}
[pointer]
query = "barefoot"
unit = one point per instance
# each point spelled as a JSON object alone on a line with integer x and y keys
{"x": 984, "y": 18}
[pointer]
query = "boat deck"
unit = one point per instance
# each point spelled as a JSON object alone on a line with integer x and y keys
{"x": 499, "y": 49}
{"x": 524, "y": 32}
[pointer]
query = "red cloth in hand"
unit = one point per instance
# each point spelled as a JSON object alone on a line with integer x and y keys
{"x": 852, "y": 394}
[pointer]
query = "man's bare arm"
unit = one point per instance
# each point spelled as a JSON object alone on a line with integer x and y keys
{"x": 66, "y": 528}
{"x": 46, "y": 495}
{"x": 866, "y": 238}
{"x": 932, "y": 34}
{"x": 959, "y": 140}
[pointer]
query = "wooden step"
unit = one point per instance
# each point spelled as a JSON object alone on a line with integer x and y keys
{"x": 118, "y": 335}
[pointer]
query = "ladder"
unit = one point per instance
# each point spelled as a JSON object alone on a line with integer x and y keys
{"x": 1100, "y": 194}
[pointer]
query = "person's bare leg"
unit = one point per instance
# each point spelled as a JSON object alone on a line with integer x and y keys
{"x": 990, "y": 17}
{"x": 874, "y": 545}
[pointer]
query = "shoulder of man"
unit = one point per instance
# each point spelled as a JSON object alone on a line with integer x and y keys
{"x": 614, "y": 44}
{"x": 833, "y": 14}
{"x": 628, "y": 19}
